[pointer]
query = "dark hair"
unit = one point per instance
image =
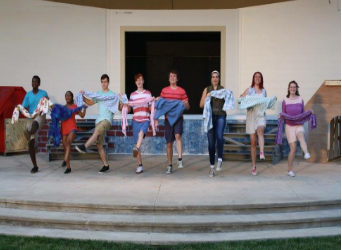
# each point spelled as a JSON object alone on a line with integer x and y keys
{"x": 36, "y": 77}
{"x": 72, "y": 95}
{"x": 174, "y": 72}
{"x": 136, "y": 77}
{"x": 288, "y": 91}
{"x": 261, "y": 85}
{"x": 105, "y": 76}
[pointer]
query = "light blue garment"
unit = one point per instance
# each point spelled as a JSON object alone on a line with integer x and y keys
{"x": 229, "y": 104}
{"x": 251, "y": 92}
{"x": 108, "y": 103}
{"x": 172, "y": 108}
{"x": 31, "y": 100}
{"x": 259, "y": 104}
{"x": 227, "y": 95}
{"x": 124, "y": 99}
{"x": 207, "y": 115}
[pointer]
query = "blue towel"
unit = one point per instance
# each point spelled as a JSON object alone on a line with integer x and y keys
{"x": 172, "y": 108}
{"x": 59, "y": 113}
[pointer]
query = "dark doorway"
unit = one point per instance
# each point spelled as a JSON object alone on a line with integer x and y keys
{"x": 154, "y": 54}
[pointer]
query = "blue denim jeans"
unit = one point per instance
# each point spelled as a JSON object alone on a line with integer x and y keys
{"x": 216, "y": 135}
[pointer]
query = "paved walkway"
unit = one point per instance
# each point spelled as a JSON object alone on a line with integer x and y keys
{"x": 234, "y": 184}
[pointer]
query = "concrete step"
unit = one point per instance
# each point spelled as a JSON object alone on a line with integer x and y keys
{"x": 170, "y": 223}
{"x": 170, "y": 210}
{"x": 167, "y": 238}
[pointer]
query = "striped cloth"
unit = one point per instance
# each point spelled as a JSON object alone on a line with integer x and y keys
{"x": 111, "y": 102}
{"x": 260, "y": 104}
{"x": 229, "y": 104}
{"x": 138, "y": 103}
{"x": 42, "y": 108}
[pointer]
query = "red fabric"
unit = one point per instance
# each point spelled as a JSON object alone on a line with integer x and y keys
{"x": 69, "y": 124}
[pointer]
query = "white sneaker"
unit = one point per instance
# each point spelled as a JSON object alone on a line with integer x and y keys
{"x": 211, "y": 172}
{"x": 262, "y": 156}
{"x": 139, "y": 170}
{"x": 290, "y": 173}
{"x": 169, "y": 170}
{"x": 180, "y": 164}
{"x": 219, "y": 165}
{"x": 307, "y": 156}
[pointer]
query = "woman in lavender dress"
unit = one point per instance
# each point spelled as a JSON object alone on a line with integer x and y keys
{"x": 294, "y": 105}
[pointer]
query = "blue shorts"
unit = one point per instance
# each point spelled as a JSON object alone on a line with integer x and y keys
{"x": 137, "y": 127}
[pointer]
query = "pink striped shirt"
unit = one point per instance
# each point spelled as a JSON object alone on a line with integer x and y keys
{"x": 141, "y": 112}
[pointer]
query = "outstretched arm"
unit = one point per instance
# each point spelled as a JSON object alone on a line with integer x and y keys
{"x": 82, "y": 112}
{"x": 89, "y": 102}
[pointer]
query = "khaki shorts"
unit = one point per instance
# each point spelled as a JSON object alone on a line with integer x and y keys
{"x": 292, "y": 132}
{"x": 101, "y": 129}
{"x": 40, "y": 120}
{"x": 253, "y": 121}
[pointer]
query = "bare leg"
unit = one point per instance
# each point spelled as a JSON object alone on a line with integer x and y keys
{"x": 32, "y": 152}
{"x": 71, "y": 137}
{"x": 92, "y": 139}
{"x": 140, "y": 139}
{"x": 301, "y": 139}
{"x": 253, "y": 149}
{"x": 291, "y": 155}
{"x": 139, "y": 155}
{"x": 34, "y": 128}
{"x": 260, "y": 132}
{"x": 101, "y": 153}
{"x": 179, "y": 145}
{"x": 64, "y": 139}
{"x": 169, "y": 151}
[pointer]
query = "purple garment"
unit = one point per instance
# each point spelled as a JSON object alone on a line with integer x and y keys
{"x": 296, "y": 120}
{"x": 292, "y": 109}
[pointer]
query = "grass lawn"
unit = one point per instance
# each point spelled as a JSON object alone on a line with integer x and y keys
{"x": 41, "y": 243}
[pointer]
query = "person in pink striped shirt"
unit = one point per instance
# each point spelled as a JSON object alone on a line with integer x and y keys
{"x": 141, "y": 118}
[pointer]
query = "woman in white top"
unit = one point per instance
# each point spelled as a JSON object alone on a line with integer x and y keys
{"x": 256, "y": 124}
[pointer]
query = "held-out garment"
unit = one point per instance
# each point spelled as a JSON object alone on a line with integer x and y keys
{"x": 41, "y": 109}
{"x": 258, "y": 103}
{"x": 229, "y": 104}
{"x": 59, "y": 113}
{"x": 135, "y": 104}
{"x": 296, "y": 120}
{"x": 111, "y": 102}
{"x": 172, "y": 108}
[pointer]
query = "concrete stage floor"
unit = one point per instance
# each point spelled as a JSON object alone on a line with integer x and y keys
{"x": 190, "y": 186}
